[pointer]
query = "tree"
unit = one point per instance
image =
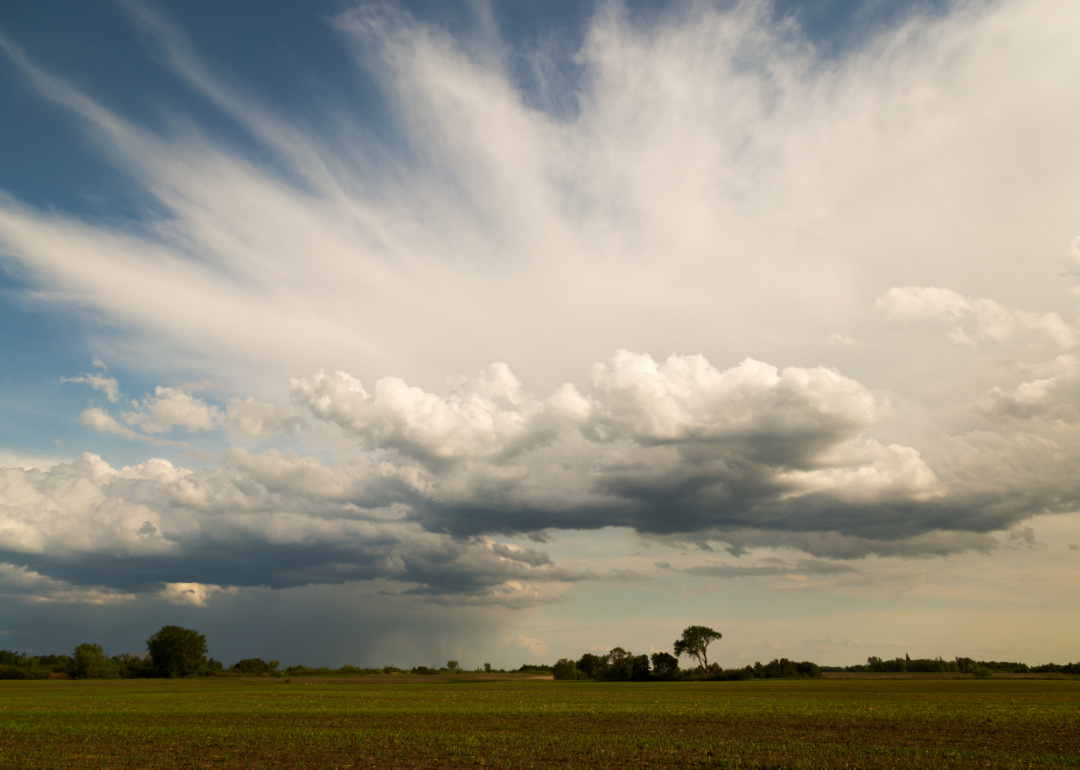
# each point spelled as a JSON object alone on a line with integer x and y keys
{"x": 89, "y": 661}
{"x": 454, "y": 666}
{"x": 564, "y": 668}
{"x": 177, "y": 652}
{"x": 695, "y": 641}
{"x": 252, "y": 666}
{"x": 664, "y": 665}
{"x": 639, "y": 670}
{"x": 593, "y": 666}
{"x": 620, "y": 664}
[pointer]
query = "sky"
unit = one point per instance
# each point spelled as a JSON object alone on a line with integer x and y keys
{"x": 390, "y": 333}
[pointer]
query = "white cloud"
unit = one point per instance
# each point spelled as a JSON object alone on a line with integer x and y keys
{"x": 107, "y": 385}
{"x": 32, "y": 586}
{"x": 195, "y": 594}
{"x": 718, "y": 188}
{"x": 973, "y": 319}
{"x": 169, "y": 408}
{"x": 1053, "y": 395}
{"x": 627, "y": 222}
{"x": 249, "y": 418}
{"x": 100, "y": 420}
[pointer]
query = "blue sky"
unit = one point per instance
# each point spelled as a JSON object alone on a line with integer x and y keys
{"x": 395, "y": 333}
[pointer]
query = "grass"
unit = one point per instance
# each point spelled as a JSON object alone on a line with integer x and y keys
{"x": 518, "y": 724}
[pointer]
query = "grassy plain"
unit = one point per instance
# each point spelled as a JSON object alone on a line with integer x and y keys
{"x": 935, "y": 723}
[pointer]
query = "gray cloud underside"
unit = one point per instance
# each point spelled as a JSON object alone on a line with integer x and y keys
{"x": 677, "y": 450}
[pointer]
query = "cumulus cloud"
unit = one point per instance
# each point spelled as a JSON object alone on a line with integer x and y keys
{"x": 153, "y": 526}
{"x": 1053, "y": 394}
{"x": 677, "y": 446}
{"x": 752, "y": 213}
{"x": 249, "y": 418}
{"x": 169, "y": 408}
{"x": 973, "y": 320}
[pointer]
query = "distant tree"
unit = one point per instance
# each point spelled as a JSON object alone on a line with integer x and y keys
{"x": 695, "y": 641}
{"x": 564, "y": 669}
{"x": 487, "y": 668}
{"x": 177, "y": 652}
{"x": 252, "y": 666}
{"x": 11, "y": 658}
{"x": 89, "y": 661}
{"x": 639, "y": 670}
{"x": 592, "y": 666}
{"x": 620, "y": 664}
{"x": 453, "y": 666}
{"x": 664, "y": 665}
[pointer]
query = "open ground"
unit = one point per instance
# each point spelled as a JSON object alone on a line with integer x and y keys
{"x": 467, "y": 722}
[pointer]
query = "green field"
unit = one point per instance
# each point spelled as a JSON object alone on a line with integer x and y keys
{"x": 936, "y": 723}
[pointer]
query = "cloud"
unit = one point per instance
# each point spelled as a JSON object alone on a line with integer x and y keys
{"x": 108, "y": 385}
{"x": 444, "y": 250}
{"x": 100, "y": 420}
{"x": 535, "y": 647}
{"x": 23, "y": 583}
{"x": 169, "y": 408}
{"x": 1054, "y": 395}
{"x": 800, "y": 569}
{"x": 249, "y": 418}
{"x": 153, "y": 527}
{"x": 678, "y": 446}
{"x": 718, "y": 188}
{"x": 973, "y": 319}
{"x": 195, "y": 594}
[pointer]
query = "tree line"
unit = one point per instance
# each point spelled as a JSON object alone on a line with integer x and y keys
{"x": 175, "y": 652}
{"x": 955, "y": 666}
{"x": 621, "y": 665}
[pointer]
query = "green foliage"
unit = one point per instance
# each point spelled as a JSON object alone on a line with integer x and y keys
{"x": 664, "y": 665}
{"x": 620, "y": 664}
{"x": 695, "y": 641}
{"x": 11, "y": 658}
{"x": 639, "y": 668}
{"x": 251, "y": 666}
{"x": 533, "y": 668}
{"x": 982, "y": 672}
{"x": 89, "y": 661}
{"x": 592, "y": 666}
{"x": 453, "y": 666}
{"x": 135, "y": 666}
{"x": 177, "y": 652}
{"x": 564, "y": 669}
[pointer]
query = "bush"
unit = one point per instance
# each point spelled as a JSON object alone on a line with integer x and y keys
{"x": 982, "y": 672}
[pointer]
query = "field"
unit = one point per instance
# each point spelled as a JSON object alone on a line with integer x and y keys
{"x": 881, "y": 723}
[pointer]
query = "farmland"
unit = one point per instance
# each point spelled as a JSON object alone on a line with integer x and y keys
{"x": 881, "y": 723}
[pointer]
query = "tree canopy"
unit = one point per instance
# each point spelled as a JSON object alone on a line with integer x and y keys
{"x": 177, "y": 652}
{"x": 695, "y": 641}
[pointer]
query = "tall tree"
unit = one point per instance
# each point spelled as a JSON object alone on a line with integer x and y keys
{"x": 177, "y": 652}
{"x": 695, "y": 641}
